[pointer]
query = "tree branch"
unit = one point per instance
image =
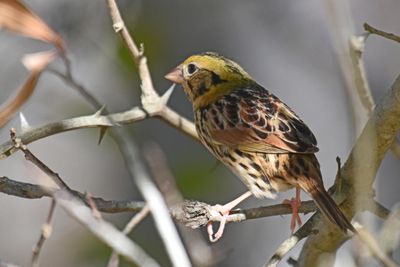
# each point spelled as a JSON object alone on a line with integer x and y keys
{"x": 45, "y": 234}
{"x": 151, "y": 102}
{"x": 368, "y": 240}
{"x": 135, "y": 220}
{"x": 77, "y": 209}
{"x": 357, "y": 176}
{"x": 384, "y": 34}
{"x": 31, "y": 191}
{"x": 199, "y": 250}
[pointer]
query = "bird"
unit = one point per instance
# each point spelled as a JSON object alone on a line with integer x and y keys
{"x": 256, "y": 135}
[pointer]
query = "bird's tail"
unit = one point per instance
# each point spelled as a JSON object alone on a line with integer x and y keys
{"x": 329, "y": 208}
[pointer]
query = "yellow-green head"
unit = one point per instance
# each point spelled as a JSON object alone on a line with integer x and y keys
{"x": 207, "y": 77}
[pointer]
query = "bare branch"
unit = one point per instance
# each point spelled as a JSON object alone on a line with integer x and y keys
{"x": 373, "y": 246}
{"x": 356, "y": 49}
{"x": 342, "y": 28}
{"x": 93, "y": 121}
{"x": 136, "y": 54}
{"x": 31, "y": 191}
{"x": 389, "y": 237}
{"x": 196, "y": 214}
{"x": 151, "y": 102}
{"x": 379, "y": 210}
{"x": 384, "y": 34}
{"x": 135, "y": 220}
{"x": 179, "y": 212}
{"x": 199, "y": 251}
{"x": 29, "y": 156}
{"x": 45, "y": 234}
{"x": 103, "y": 230}
{"x": 357, "y": 175}
{"x": 154, "y": 199}
{"x": 289, "y": 243}
{"x": 78, "y": 210}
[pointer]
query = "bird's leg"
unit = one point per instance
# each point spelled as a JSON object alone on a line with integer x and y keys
{"x": 224, "y": 211}
{"x": 295, "y": 203}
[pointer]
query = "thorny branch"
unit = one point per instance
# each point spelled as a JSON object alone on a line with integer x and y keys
{"x": 152, "y": 106}
{"x": 150, "y": 100}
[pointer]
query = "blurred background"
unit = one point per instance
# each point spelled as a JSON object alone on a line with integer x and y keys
{"x": 285, "y": 45}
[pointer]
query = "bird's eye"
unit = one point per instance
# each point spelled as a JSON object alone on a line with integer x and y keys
{"x": 191, "y": 68}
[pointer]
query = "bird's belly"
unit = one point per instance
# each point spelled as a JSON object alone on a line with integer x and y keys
{"x": 259, "y": 174}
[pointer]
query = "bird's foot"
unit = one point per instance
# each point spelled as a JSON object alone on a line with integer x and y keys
{"x": 223, "y": 211}
{"x": 295, "y": 203}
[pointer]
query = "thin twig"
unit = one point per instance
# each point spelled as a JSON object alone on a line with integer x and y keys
{"x": 356, "y": 48}
{"x": 69, "y": 79}
{"x": 151, "y": 101}
{"x": 389, "y": 236}
{"x": 368, "y": 240}
{"x": 136, "y": 53}
{"x": 199, "y": 250}
{"x": 159, "y": 210}
{"x": 384, "y": 34}
{"x": 45, "y": 234}
{"x": 134, "y": 221}
{"x": 78, "y": 210}
{"x": 379, "y": 210}
{"x": 31, "y": 191}
{"x": 29, "y": 156}
{"x": 290, "y": 243}
{"x": 104, "y": 230}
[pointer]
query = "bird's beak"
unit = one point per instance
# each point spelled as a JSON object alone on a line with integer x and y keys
{"x": 175, "y": 75}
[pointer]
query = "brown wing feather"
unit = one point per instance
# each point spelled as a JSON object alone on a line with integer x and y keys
{"x": 252, "y": 119}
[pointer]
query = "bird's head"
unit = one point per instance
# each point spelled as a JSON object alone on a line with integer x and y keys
{"x": 207, "y": 77}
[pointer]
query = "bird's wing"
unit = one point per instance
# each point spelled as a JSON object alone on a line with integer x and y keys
{"x": 252, "y": 119}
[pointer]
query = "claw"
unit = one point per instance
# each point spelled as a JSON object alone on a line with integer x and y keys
{"x": 215, "y": 237}
{"x": 224, "y": 212}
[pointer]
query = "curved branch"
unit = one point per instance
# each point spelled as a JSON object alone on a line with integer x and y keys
{"x": 357, "y": 176}
{"x": 135, "y": 114}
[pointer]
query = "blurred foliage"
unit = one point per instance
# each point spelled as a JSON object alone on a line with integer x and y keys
{"x": 199, "y": 179}
{"x": 152, "y": 36}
